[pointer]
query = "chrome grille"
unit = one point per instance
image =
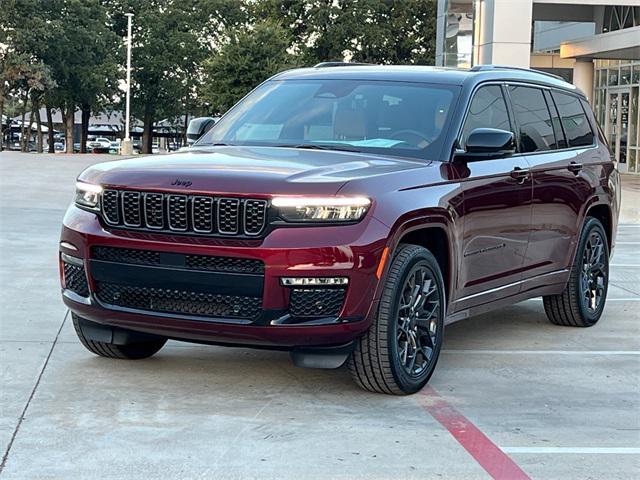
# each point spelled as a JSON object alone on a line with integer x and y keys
{"x": 228, "y": 209}
{"x": 110, "y": 209}
{"x": 131, "y": 209}
{"x": 202, "y": 214}
{"x": 178, "y": 212}
{"x": 154, "y": 210}
{"x": 255, "y": 212}
{"x": 199, "y": 214}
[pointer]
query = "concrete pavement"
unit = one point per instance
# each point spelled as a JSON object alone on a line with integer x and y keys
{"x": 560, "y": 402}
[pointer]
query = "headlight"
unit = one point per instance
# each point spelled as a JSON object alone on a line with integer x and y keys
{"x": 321, "y": 209}
{"x": 88, "y": 195}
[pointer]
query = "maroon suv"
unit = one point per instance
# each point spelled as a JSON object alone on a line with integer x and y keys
{"x": 348, "y": 213}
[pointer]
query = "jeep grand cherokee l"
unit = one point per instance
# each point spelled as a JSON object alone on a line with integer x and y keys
{"x": 347, "y": 214}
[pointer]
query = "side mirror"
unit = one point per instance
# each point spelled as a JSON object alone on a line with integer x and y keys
{"x": 198, "y": 127}
{"x": 486, "y": 143}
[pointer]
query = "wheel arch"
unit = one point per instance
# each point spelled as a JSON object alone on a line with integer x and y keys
{"x": 433, "y": 233}
{"x": 602, "y": 212}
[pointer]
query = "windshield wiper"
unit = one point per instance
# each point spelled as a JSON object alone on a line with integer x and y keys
{"x": 313, "y": 146}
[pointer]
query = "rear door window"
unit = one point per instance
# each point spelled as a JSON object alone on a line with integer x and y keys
{"x": 574, "y": 120}
{"x": 487, "y": 110}
{"x": 532, "y": 118}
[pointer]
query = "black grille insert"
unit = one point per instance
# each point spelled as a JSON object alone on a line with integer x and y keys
{"x": 179, "y": 301}
{"x": 75, "y": 279}
{"x": 228, "y": 210}
{"x": 131, "y": 209}
{"x": 154, "y": 210}
{"x": 316, "y": 302}
{"x": 110, "y": 209}
{"x": 199, "y": 214}
{"x": 189, "y": 261}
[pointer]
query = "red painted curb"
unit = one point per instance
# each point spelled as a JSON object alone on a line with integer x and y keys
{"x": 497, "y": 463}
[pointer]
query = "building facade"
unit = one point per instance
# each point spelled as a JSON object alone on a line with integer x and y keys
{"x": 594, "y": 44}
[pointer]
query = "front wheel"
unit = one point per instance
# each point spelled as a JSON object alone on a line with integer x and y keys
{"x": 582, "y": 302}
{"x": 399, "y": 352}
{"x": 137, "y": 346}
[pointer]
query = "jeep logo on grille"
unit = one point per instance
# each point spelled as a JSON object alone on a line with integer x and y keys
{"x": 181, "y": 183}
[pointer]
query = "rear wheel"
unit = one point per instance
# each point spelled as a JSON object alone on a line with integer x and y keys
{"x": 132, "y": 347}
{"x": 582, "y": 302}
{"x": 399, "y": 352}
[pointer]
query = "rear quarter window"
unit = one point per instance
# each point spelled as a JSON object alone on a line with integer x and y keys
{"x": 574, "y": 120}
{"x": 532, "y": 118}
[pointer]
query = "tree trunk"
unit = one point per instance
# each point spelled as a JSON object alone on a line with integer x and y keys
{"x": 183, "y": 139}
{"x": 50, "y": 127}
{"x": 84, "y": 128}
{"x": 30, "y": 126}
{"x": 68, "y": 127}
{"x": 22, "y": 132}
{"x": 147, "y": 133}
{"x": 36, "y": 108}
{"x": 1, "y": 113}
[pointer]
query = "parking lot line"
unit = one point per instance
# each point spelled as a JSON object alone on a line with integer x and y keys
{"x": 5, "y": 456}
{"x": 581, "y": 450}
{"x": 488, "y": 455}
{"x": 545, "y": 352}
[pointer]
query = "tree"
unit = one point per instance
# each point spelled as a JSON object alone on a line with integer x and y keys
{"x": 375, "y": 31}
{"x": 171, "y": 38}
{"x": 251, "y": 56}
{"x": 74, "y": 40}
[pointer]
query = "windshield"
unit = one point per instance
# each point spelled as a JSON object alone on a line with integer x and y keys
{"x": 391, "y": 118}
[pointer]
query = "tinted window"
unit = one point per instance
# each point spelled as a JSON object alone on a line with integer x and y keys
{"x": 574, "y": 121}
{"x": 487, "y": 110}
{"x": 533, "y": 119}
{"x": 393, "y": 118}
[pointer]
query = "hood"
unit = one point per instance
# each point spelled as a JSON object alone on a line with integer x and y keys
{"x": 246, "y": 170}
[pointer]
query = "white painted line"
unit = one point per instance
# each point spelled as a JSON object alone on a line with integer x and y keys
{"x": 588, "y": 450}
{"x": 629, "y": 225}
{"x": 609, "y": 299}
{"x": 625, "y": 265}
{"x": 627, "y": 243}
{"x": 544, "y": 352}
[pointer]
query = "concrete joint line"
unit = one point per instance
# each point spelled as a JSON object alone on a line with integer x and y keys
{"x": 579, "y": 450}
{"x": 5, "y": 457}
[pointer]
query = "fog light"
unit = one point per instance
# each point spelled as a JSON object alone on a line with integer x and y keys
{"x": 314, "y": 281}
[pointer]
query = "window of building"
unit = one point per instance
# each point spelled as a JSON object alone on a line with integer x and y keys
{"x": 574, "y": 121}
{"x": 533, "y": 119}
{"x": 487, "y": 110}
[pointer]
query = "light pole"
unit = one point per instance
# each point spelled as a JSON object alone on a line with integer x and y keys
{"x": 127, "y": 147}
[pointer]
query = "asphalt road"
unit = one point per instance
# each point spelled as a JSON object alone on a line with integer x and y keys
{"x": 513, "y": 396}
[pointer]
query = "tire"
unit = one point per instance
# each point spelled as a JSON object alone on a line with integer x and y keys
{"x": 574, "y": 307}
{"x": 381, "y": 359}
{"x": 134, "y": 350}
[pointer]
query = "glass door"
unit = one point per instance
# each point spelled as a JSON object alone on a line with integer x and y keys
{"x": 617, "y": 127}
{"x": 612, "y": 125}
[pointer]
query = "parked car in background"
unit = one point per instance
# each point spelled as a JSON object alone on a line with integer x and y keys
{"x": 348, "y": 214}
{"x": 99, "y": 145}
{"x": 114, "y": 146}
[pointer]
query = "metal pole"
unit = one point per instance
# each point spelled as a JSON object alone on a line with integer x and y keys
{"x": 127, "y": 147}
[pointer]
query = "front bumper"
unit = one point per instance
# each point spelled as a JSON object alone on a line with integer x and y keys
{"x": 352, "y": 251}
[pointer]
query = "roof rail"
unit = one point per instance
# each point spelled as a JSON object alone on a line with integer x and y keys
{"x": 340, "y": 64}
{"x": 484, "y": 68}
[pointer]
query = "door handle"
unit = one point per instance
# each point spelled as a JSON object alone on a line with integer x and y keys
{"x": 574, "y": 167}
{"x": 520, "y": 174}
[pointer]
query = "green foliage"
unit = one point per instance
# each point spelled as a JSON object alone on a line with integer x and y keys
{"x": 251, "y": 56}
{"x": 195, "y": 55}
{"x": 375, "y": 31}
